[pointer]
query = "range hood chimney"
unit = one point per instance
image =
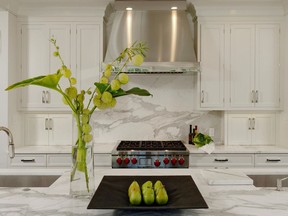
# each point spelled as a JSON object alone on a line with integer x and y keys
{"x": 169, "y": 35}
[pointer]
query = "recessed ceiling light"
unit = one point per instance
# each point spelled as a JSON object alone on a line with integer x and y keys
{"x": 129, "y": 8}
{"x": 174, "y": 8}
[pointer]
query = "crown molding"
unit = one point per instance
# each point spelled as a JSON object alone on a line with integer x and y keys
{"x": 55, "y": 7}
{"x": 239, "y": 7}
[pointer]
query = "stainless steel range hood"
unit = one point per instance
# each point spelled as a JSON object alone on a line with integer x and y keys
{"x": 167, "y": 33}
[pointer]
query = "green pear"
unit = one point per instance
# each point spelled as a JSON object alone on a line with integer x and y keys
{"x": 161, "y": 196}
{"x": 158, "y": 184}
{"x": 148, "y": 196}
{"x": 147, "y": 184}
{"x": 135, "y": 197}
{"x": 133, "y": 186}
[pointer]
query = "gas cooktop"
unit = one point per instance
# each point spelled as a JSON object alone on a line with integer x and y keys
{"x": 150, "y": 154}
{"x": 151, "y": 145}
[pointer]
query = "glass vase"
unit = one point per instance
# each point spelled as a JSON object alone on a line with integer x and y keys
{"x": 82, "y": 171}
{"x": 82, "y": 182}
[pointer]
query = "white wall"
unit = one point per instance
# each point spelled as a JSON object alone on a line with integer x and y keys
{"x": 3, "y": 83}
{"x": 283, "y": 126}
{"x": 7, "y": 67}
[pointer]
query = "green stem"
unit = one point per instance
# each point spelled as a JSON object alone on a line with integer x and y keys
{"x": 91, "y": 99}
{"x": 81, "y": 153}
{"x": 70, "y": 103}
{"x": 120, "y": 70}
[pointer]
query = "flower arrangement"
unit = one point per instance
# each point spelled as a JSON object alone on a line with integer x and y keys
{"x": 84, "y": 102}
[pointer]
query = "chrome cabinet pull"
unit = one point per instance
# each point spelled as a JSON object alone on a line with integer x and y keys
{"x": 249, "y": 119}
{"x": 253, "y": 123}
{"x": 273, "y": 160}
{"x": 46, "y": 124}
{"x": 252, "y": 96}
{"x": 202, "y": 96}
{"x": 256, "y": 96}
{"x": 43, "y": 97}
{"x": 47, "y": 97}
{"x": 28, "y": 160}
{"x": 221, "y": 160}
{"x": 50, "y": 124}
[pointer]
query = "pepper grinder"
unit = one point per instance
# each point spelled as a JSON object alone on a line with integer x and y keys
{"x": 190, "y": 135}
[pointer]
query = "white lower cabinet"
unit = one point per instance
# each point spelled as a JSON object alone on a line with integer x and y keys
{"x": 55, "y": 160}
{"x": 271, "y": 160}
{"x": 221, "y": 160}
{"x": 102, "y": 160}
{"x": 28, "y": 160}
{"x": 59, "y": 160}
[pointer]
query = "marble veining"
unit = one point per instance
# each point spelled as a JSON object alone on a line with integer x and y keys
{"x": 144, "y": 120}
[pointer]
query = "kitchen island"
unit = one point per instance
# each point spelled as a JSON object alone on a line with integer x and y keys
{"x": 223, "y": 200}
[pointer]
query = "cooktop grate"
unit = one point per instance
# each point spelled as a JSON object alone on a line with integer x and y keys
{"x": 151, "y": 145}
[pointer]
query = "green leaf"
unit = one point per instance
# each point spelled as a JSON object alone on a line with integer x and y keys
{"x": 135, "y": 91}
{"x": 138, "y": 91}
{"x": 120, "y": 92}
{"x": 49, "y": 81}
{"x": 102, "y": 87}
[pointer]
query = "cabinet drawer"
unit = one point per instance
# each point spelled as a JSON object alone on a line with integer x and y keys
{"x": 59, "y": 160}
{"x": 101, "y": 160}
{"x": 221, "y": 160}
{"x": 271, "y": 160}
{"x": 28, "y": 160}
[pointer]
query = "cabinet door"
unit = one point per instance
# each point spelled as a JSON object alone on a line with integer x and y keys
{"x": 267, "y": 66}
{"x": 28, "y": 160}
{"x": 62, "y": 35}
{"x": 60, "y": 129}
{"x": 271, "y": 160}
{"x": 242, "y": 53}
{"x": 59, "y": 160}
{"x": 251, "y": 129}
{"x": 34, "y": 51}
{"x": 212, "y": 61}
{"x": 263, "y": 132}
{"x": 36, "y": 130}
{"x": 88, "y": 54}
{"x": 221, "y": 160}
{"x": 239, "y": 129}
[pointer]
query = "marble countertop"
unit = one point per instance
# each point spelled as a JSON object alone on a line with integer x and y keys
{"x": 106, "y": 148}
{"x": 223, "y": 200}
{"x": 241, "y": 149}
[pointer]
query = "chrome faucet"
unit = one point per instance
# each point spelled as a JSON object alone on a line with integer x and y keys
{"x": 11, "y": 148}
{"x": 279, "y": 183}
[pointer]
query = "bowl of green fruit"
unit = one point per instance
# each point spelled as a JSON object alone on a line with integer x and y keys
{"x": 147, "y": 193}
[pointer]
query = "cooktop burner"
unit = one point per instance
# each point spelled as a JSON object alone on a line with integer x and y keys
{"x": 151, "y": 145}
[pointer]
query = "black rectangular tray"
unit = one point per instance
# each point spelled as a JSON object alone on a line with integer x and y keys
{"x": 112, "y": 193}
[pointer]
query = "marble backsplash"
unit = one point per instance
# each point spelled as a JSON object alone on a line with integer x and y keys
{"x": 164, "y": 116}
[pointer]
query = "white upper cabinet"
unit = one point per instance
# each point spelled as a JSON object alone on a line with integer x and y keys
{"x": 37, "y": 59}
{"x": 34, "y": 54}
{"x": 242, "y": 54}
{"x": 88, "y": 55}
{"x": 212, "y": 65}
{"x": 62, "y": 34}
{"x": 267, "y": 66}
{"x": 254, "y": 66}
{"x": 240, "y": 65}
{"x": 80, "y": 48}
